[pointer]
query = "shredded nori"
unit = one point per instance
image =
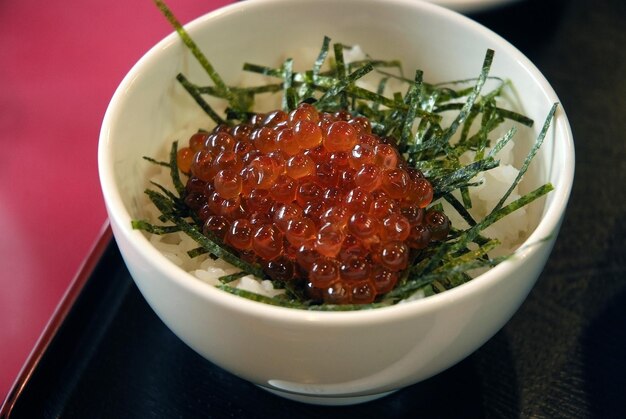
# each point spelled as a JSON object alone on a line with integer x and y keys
{"x": 414, "y": 118}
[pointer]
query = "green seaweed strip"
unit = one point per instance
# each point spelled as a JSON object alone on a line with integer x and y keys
{"x": 470, "y": 256}
{"x": 413, "y": 103}
{"x": 341, "y": 73}
{"x": 227, "y": 279}
{"x": 167, "y": 192}
{"x": 465, "y": 196}
{"x": 191, "y": 89}
{"x": 481, "y": 139}
{"x": 264, "y": 70}
{"x": 178, "y": 184}
{"x": 502, "y": 142}
{"x": 455, "y": 233}
{"x": 472, "y": 233}
{"x": 408, "y": 288}
{"x": 326, "y": 83}
{"x": 193, "y": 253}
{"x": 437, "y": 206}
{"x": 253, "y": 90}
{"x": 291, "y": 97}
{"x": 517, "y": 117}
{"x": 212, "y": 247}
{"x": 462, "y": 92}
{"x": 237, "y": 115}
{"x": 467, "y": 125}
{"x": 471, "y": 99}
{"x": 365, "y": 94}
{"x": 262, "y": 298}
{"x": 157, "y": 162}
{"x": 420, "y": 281}
{"x": 376, "y": 63}
{"x": 341, "y": 85}
{"x": 154, "y": 229}
{"x": 195, "y": 50}
{"x": 321, "y": 58}
{"x": 462, "y": 176}
{"x": 529, "y": 157}
{"x": 289, "y": 100}
{"x": 460, "y": 208}
{"x": 379, "y": 91}
{"x": 424, "y": 128}
{"x": 505, "y": 113}
{"x": 332, "y": 87}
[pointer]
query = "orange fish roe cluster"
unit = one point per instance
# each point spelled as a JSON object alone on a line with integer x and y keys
{"x": 313, "y": 197}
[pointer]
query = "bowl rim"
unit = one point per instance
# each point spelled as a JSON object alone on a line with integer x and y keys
{"x": 548, "y": 224}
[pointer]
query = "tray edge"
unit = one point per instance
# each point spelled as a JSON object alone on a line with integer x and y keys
{"x": 58, "y": 317}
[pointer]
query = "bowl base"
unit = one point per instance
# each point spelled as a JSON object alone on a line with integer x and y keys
{"x": 326, "y": 399}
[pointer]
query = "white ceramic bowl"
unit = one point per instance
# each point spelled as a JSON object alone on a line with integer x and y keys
{"x": 323, "y": 357}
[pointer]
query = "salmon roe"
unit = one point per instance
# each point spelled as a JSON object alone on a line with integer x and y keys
{"x": 314, "y": 197}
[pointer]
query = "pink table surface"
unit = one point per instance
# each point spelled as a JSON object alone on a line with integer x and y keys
{"x": 59, "y": 66}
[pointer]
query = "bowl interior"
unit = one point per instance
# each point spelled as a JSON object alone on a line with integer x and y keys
{"x": 150, "y": 106}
